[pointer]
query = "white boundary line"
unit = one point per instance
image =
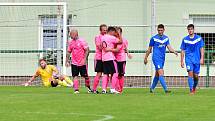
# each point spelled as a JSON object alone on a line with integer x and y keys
{"x": 105, "y": 117}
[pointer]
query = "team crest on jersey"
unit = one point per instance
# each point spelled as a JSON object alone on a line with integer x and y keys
{"x": 188, "y": 67}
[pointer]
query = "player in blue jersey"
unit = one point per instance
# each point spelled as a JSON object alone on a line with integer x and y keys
{"x": 192, "y": 48}
{"x": 159, "y": 42}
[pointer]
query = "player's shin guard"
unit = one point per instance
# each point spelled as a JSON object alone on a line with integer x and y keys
{"x": 75, "y": 85}
{"x": 104, "y": 82}
{"x": 121, "y": 83}
{"x": 163, "y": 83}
{"x": 87, "y": 82}
{"x": 114, "y": 81}
{"x": 95, "y": 83}
{"x": 195, "y": 84}
{"x": 190, "y": 82}
{"x": 154, "y": 83}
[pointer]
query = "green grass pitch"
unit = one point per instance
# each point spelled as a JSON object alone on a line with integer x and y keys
{"x": 60, "y": 104}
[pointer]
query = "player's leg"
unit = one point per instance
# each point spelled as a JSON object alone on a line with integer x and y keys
{"x": 121, "y": 71}
{"x": 59, "y": 80}
{"x": 154, "y": 82}
{"x": 65, "y": 81}
{"x": 162, "y": 80}
{"x": 159, "y": 69}
{"x": 105, "y": 80}
{"x": 114, "y": 79}
{"x": 189, "y": 67}
{"x": 105, "y": 77}
{"x": 75, "y": 73}
{"x": 99, "y": 70}
{"x": 196, "y": 71}
{"x": 84, "y": 73}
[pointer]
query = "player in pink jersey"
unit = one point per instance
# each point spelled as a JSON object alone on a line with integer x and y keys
{"x": 79, "y": 50}
{"x": 98, "y": 64}
{"x": 121, "y": 59}
{"x": 108, "y": 58}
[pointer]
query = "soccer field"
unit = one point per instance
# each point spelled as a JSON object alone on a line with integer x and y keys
{"x": 60, "y": 104}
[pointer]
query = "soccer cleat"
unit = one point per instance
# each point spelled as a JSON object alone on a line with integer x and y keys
{"x": 167, "y": 91}
{"x": 151, "y": 90}
{"x": 76, "y": 92}
{"x": 96, "y": 92}
{"x": 104, "y": 91}
{"x": 193, "y": 91}
{"x": 89, "y": 91}
{"x": 113, "y": 91}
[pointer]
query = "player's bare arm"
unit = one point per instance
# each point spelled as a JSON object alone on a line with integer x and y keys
{"x": 147, "y": 54}
{"x": 87, "y": 51}
{"x": 172, "y": 50}
{"x": 67, "y": 59}
{"x": 202, "y": 56}
{"x": 182, "y": 58}
{"x": 128, "y": 54}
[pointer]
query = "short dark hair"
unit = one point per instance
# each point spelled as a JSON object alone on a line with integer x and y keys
{"x": 190, "y": 26}
{"x": 161, "y": 26}
{"x": 111, "y": 28}
{"x": 119, "y": 28}
{"x": 102, "y": 25}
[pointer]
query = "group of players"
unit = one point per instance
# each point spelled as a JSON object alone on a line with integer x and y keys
{"x": 110, "y": 60}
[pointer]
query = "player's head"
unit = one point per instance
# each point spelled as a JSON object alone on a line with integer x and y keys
{"x": 160, "y": 29}
{"x": 103, "y": 29}
{"x": 119, "y": 30}
{"x": 42, "y": 63}
{"x": 190, "y": 29}
{"x": 111, "y": 30}
{"x": 74, "y": 34}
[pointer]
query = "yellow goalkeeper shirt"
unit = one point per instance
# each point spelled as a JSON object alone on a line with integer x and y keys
{"x": 46, "y": 74}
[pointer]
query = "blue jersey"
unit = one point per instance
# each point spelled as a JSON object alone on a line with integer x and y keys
{"x": 192, "y": 47}
{"x": 159, "y": 44}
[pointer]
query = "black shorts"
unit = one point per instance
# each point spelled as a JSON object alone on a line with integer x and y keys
{"x": 79, "y": 69}
{"x": 54, "y": 84}
{"x": 121, "y": 68}
{"x": 110, "y": 67}
{"x": 98, "y": 66}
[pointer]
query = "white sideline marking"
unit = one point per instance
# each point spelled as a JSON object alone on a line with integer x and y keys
{"x": 105, "y": 117}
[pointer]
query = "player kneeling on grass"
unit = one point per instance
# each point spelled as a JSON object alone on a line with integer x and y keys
{"x": 159, "y": 43}
{"x": 49, "y": 75}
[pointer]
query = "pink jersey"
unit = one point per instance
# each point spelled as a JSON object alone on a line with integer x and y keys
{"x": 121, "y": 55}
{"x": 98, "y": 52}
{"x": 108, "y": 41}
{"x": 77, "y": 48}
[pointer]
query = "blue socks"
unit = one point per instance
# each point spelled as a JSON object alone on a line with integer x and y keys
{"x": 195, "y": 84}
{"x": 163, "y": 83}
{"x": 191, "y": 83}
{"x": 154, "y": 83}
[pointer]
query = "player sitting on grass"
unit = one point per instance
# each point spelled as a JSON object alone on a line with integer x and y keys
{"x": 159, "y": 42}
{"x": 50, "y": 76}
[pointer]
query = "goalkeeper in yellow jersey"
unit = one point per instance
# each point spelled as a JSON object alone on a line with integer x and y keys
{"x": 50, "y": 76}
